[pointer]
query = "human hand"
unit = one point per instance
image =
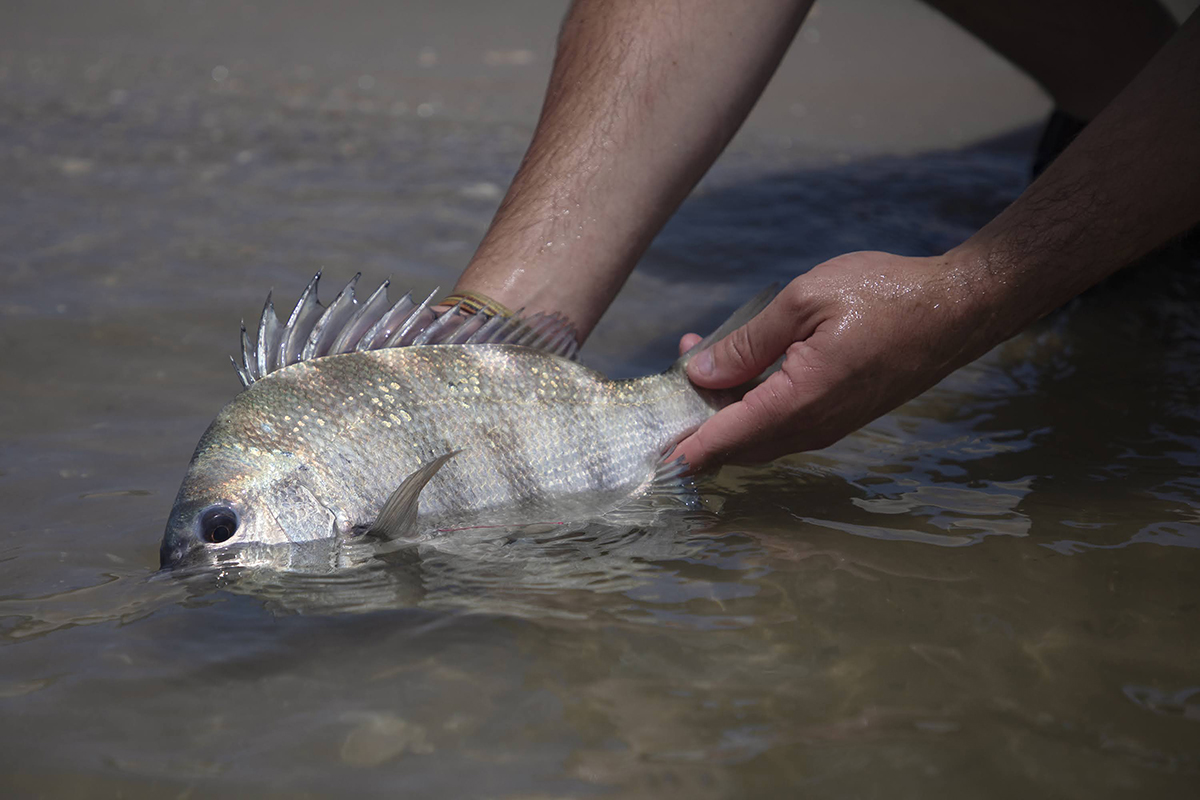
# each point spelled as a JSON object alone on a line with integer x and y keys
{"x": 860, "y": 334}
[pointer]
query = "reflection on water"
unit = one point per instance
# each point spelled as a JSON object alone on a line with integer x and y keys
{"x": 988, "y": 593}
{"x": 518, "y": 571}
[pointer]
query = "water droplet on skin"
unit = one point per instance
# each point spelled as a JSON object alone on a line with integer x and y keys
{"x": 425, "y": 110}
{"x": 220, "y": 73}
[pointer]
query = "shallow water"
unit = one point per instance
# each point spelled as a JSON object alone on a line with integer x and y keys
{"x": 990, "y": 592}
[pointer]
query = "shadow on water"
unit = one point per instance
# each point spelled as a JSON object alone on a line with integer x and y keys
{"x": 733, "y": 237}
{"x": 780, "y": 223}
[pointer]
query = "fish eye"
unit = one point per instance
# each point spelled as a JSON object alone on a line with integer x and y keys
{"x": 218, "y": 524}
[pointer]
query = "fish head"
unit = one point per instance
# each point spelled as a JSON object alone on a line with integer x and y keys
{"x": 243, "y": 503}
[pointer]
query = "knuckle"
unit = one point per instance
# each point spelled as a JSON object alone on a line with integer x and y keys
{"x": 801, "y": 360}
{"x": 795, "y": 296}
{"x": 770, "y": 404}
{"x": 741, "y": 348}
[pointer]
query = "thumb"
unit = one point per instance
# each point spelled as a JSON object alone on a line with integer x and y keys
{"x": 744, "y": 354}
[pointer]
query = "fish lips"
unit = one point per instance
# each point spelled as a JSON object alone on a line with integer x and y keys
{"x": 177, "y": 549}
{"x": 181, "y": 553}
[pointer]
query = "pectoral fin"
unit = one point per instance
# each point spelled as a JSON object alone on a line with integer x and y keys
{"x": 398, "y": 517}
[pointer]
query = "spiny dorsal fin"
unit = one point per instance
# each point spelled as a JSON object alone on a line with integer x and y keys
{"x": 347, "y": 326}
{"x": 398, "y": 516}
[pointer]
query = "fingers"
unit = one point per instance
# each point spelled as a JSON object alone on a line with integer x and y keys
{"x": 759, "y": 426}
{"x": 744, "y": 354}
{"x": 688, "y": 341}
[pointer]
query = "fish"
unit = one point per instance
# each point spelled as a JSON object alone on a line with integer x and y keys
{"x": 360, "y": 422}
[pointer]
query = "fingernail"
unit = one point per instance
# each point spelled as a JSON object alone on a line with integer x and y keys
{"x": 704, "y": 363}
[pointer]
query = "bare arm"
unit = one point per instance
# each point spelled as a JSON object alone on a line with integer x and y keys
{"x": 1129, "y": 183}
{"x": 867, "y": 331}
{"x": 643, "y": 97}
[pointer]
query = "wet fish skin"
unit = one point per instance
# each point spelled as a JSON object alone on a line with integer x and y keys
{"x": 397, "y": 422}
{"x": 312, "y": 451}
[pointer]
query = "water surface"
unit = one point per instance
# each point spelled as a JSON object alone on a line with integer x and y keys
{"x": 988, "y": 593}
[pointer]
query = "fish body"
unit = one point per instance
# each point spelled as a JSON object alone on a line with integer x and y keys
{"x": 482, "y": 433}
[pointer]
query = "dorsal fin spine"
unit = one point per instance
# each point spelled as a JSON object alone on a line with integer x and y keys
{"x": 381, "y": 330}
{"x": 363, "y": 320}
{"x": 397, "y": 338}
{"x": 299, "y": 324}
{"x": 486, "y": 330}
{"x": 268, "y": 334}
{"x": 313, "y": 331}
{"x": 434, "y": 328}
{"x": 248, "y": 356}
{"x": 326, "y": 328}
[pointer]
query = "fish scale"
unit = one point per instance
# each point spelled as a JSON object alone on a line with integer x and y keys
{"x": 482, "y": 433}
{"x": 505, "y": 407}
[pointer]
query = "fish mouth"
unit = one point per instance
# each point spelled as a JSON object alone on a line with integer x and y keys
{"x": 172, "y": 559}
{"x": 187, "y": 559}
{"x": 177, "y": 551}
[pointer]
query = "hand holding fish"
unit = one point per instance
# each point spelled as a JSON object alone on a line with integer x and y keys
{"x": 859, "y": 334}
{"x": 865, "y": 332}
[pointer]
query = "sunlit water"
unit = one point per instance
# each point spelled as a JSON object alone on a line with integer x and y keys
{"x": 989, "y": 593}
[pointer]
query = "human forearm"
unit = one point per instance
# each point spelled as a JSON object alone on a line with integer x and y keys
{"x": 1128, "y": 184}
{"x": 643, "y": 97}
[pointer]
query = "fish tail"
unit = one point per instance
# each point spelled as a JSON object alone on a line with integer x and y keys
{"x": 736, "y": 320}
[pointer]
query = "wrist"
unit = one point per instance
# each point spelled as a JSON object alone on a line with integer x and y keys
{"x": 572, "y": 279}
{"x": 987, "y": 300}
{"x": 473, "y": 302}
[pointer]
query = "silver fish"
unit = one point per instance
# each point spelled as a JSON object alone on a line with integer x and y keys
{"x": 333, "y": 439}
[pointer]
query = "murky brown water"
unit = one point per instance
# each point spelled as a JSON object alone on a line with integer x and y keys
{"x": 990, "y": 593}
